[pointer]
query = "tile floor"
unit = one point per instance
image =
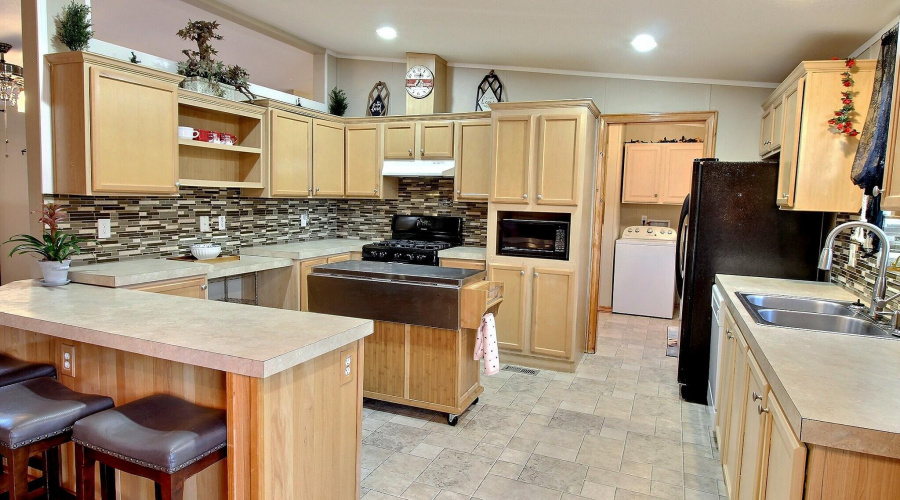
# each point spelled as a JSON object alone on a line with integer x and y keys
{"x": 616, "y": 429}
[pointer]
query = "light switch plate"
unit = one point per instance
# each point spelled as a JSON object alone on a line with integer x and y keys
{"x": 221, "y": 222}
{"x": 67, "y": 360}
{"x": 204, "y": 224}
{"x": 104, "y": 228}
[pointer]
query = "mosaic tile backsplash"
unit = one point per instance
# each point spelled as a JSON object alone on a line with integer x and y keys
{"x": 167, "y": 226}
{"x": 861, "y": 278}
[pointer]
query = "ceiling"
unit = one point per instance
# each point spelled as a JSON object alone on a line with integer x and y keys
{"x": 742, "y": 40}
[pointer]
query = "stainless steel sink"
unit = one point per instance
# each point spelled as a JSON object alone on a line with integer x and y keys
{"x": 800, "y": 304}
{"x": 812, "y": 314}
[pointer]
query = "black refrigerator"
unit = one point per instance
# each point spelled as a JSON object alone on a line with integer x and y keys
{"x": 730, "y": 224}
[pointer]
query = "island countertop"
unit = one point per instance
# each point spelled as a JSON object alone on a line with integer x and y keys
{"x": 838, "y": 391}
{"x": 140, "y": 271}
{"x": 245, "y": 340}
{"x": 307, "y": 249}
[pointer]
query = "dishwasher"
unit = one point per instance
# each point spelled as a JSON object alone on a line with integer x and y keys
{"x": 715, "y": 344}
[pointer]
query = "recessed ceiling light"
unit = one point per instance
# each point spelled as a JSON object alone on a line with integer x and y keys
{"x": 387, "y": 32}
{"x": 643, "y": 43}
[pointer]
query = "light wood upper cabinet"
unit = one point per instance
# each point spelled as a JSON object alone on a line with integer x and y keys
{"x": 437, "y": 140}
{"x": 551, "y": 311}
{"x": 115, "y": 126}
{"x": 890, "y": 198}
{"x": 678, "y": 171}
{"x": 328, "y": 159}
{"x": 510, "y": 178}
{"x": 755, "y": 406}
{"x": 364, "y": 160}
{"x": 659, "y": 172}
{"x": 783, "y": 468}
{"x": 511, "y": 321}
{"x": 558, "y": 159}
{"x": 399, "y": 140}
{"x": 765, "y": 134}
{"x": 290, "y": 154}
{"x": 815, "y": 161}
{"x": 473, "y": 160}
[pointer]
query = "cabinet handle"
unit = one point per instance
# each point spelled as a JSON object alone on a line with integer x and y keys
{"x": 784, "y": 195}
{"x": 761, "y": 410}
{"x": 540, "y": 197}
{"x": 204, "y": 287}
{"x": 756, "y": 397}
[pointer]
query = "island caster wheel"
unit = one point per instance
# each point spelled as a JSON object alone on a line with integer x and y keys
{"x": 475, "y": 402}
{"x": 452, "y": 419}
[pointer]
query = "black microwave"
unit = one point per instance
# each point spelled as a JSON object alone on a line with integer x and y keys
{"x": 536, "y": 238}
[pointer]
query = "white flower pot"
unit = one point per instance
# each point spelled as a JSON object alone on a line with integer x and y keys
{"x": 55, "y": 272}
{"x": 201, "y": 85}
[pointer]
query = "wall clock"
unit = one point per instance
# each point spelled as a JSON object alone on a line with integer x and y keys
{"x": 419, "y": 82}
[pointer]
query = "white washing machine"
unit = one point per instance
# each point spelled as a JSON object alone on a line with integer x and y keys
{"x": 644, "y": 272}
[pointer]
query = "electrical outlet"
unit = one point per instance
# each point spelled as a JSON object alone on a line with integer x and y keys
{"x": 67, "y": 360}
{"x": 104, "y": 228}
{"x": 851, "y": 261}
{"x": 348, "y": 367}
{"x": 221, "y": 223}
{"x": 643, "y": 220}
{"x": 204, "y": 224}
{"x": 304, "y": 219}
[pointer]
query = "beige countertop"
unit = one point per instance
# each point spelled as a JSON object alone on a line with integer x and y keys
{"x": 840, "y": 391}
{"x": 139, "y": 271}
{"x": 246, "y": 340}
{"x": 464, "y": 253}
{"x": 307, "y": 249}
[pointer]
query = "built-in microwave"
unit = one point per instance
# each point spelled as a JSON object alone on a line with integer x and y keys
{"x": 536, "y": 235}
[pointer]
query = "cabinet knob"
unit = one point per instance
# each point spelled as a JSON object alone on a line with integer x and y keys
{"x": 422, "y": 151}
{"x": 729, "y": 335}
{"x": 178, "y": 184}
{"x": 536, "y": 275}
{"x": 540, "y": 197}
{"x": 525, "y": 196}
{"x": 410, "y": 152}
{"x": 656, "y": 195}
{"x": 309, "y": 189}
{"x": 761, "y": 410}
{"x": 376, "y": 190}
{"x": 522, "y": 272}
{"x": 317, "y": 190}
{"x": 204, "y": 287}
{"x": 784, "y": 195}
{"x": 756, "y": 397}
{"x": 458, "y": 191}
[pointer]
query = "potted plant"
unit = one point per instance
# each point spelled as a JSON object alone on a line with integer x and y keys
{"x": 203, "y": 73}
{"x": 55, "y": 248}
{"x": 74, "y": 26}
{"x": 338, "y": 102}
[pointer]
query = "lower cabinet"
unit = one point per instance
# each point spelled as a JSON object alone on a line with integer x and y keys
{"x": 478, "y": 265}
{"x": 306, "y": 268}
{"x": 552, "y": 293}
{"x": 193, "y": 287}
{"x": 783, "y": 465}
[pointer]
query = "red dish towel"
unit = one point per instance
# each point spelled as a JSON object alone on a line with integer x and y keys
{"x": 486, "y": 345}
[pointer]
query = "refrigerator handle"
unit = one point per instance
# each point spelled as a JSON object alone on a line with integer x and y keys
{"x": 679, "y": 258}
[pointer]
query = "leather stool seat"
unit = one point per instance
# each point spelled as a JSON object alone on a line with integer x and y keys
{"x": 41, "y": 408}
{"x": 159, "y": 432}
{"x": 13, "y": 371}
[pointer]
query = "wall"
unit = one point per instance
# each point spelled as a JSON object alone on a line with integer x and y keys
{"x": 14, "y": 214}
{"x": 167, "y": 226}
{"x": 739, "y": 107}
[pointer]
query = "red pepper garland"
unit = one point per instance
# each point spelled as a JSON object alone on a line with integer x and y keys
{"x": 842, "y": 121}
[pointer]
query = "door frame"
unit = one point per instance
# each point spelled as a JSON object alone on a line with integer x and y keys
{"x": 604, "y": 204}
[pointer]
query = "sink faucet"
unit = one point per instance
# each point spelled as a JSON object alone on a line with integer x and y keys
{"x": 876, "y": 308}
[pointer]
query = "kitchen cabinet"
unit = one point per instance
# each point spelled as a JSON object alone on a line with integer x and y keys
{"x": 511, "y": 324}
{"x": 114, "y": 126}
{"x": 364, "y": 161}
{"x": 193, "y": 287}
{"x": 463, "y": 264}
{"x": 558, "y": 159}
{"x": 725, "y": 384}
{"x": 306, "y": 267}
{"x": 512, "y": 159}
{"x": 425, "y": 140}
{"x": 437, "y": 140}
{"x": 659, "y": 172}
{"x": 328, "y": 159}
{"x": 473, "y": 160}
{"x": 783, "y": 464}
{"x": 890, "y": 198}
{"x": 814, "y": 161}
{"x": 290, "y": 149}
{"x": 735, "y": 433}
{"x": 772, "y": 128}
{"x": 765, "y": 133}
{"x": 399, "y": 140}
{"x": 755, "y": 408}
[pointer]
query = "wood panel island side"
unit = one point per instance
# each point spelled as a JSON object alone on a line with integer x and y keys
{"x": 294, "y": 410}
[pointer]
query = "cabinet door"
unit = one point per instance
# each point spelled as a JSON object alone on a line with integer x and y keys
{"x": 641, "y": 174}
{"x": 384, "y": 367}
{"x": 732, "y": 458}
{"x": 511, "y": 175}
{"x": 765, "y": 135}
{"x": 678, "y": 166}
{"x": 551, "y": 312}
{"x": 344, "y": 257}
{"x": 195, "y": 288}
{"x": 463, "y": 264}
{"x": 290, "y": 153}
{"x": 134, "y": 133}
{"x": 399, "y": 140}
{"x": 328, "y": 159}
{"x": 777, "y": 124}
{"x": 363, "y": 157}
{"x": 726, "y": 383}
{"x": 305, "y": 269}
{"x": 437, "y": 140}
{"x": 473, "y": 160}
{"x": 754, "y": 428}
{"x": 890, "y": 199}
{"x": 784, "y": 457}
{"x": 511, "y": 320}
{"x": 787, "y": 163}
{"x": 559, "y": 148}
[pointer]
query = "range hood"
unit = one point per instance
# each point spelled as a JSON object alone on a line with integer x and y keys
{"x": 418, "y": 168}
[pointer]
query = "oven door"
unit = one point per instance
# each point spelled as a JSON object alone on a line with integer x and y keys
{"x": 534, "y": 238}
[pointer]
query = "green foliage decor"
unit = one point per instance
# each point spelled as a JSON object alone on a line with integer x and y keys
{"x": 200, "y": 63}
{"x": 337, "y": 104}
{"x": 54, "y": 245}
{"x": 74, "y": 26}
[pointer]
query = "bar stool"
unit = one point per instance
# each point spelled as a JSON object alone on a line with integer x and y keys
{"x": 36, "y": 416}
{"x": 13, "y": 371}
{"x": 161, "y": 437}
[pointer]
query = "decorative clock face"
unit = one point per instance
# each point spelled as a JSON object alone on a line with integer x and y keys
{"x": 419, "y": 82}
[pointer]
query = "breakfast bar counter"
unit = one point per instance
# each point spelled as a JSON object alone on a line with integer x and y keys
{"x": 287, "y": 379}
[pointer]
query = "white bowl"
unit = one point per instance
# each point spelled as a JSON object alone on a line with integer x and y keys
{"x": 203, "y": 251}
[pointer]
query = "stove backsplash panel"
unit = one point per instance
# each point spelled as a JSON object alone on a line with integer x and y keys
{"x": 156, "y": 227}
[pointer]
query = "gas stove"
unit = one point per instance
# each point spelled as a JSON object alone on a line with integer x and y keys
{"x": 416, "y": 240}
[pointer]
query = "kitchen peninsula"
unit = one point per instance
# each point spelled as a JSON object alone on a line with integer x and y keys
{"x": 281, "y": 375}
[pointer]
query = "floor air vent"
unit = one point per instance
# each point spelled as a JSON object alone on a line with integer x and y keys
{"x": 519, "y": 369}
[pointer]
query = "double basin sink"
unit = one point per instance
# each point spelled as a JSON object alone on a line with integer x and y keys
{"x": 813, "y": 314}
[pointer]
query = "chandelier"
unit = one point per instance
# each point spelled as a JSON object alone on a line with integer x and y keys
{"x": 11, "y": 80}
